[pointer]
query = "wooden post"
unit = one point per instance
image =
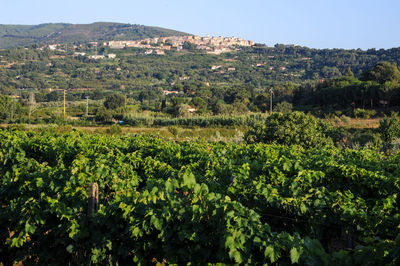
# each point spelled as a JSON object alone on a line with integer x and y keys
{"x": 64, "y": 104}
{"x": 271, "y": 92}
{"x": 93, "y": 205}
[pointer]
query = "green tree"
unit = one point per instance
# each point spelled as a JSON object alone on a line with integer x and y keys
{"x": 262, "y": 102}
{"x": 114, "y": 101}
{"x": 8, "y": 107}
{"x": 176, "y": 101}
{"x": 291, "y": 128}
{"x": 283, "y": 107}
{"x": 200, "y": 104}
{"x": 383, "y": 72}
{"x": 349, "y": 73}
{"x": 389, "y": 128}
{"x": 103, "y": 115}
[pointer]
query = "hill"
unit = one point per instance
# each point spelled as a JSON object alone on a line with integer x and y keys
{"x": 22, "y": 35}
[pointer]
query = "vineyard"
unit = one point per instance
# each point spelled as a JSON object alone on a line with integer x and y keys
{"x": 194, "y": 202}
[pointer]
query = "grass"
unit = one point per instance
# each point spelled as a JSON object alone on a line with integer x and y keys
{"x": 360, "y": 123}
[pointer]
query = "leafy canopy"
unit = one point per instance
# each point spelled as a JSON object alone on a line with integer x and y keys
{"x": 290, "y": 128}
{"x": 114, "y": 101}
{"x": 383, "y": 72}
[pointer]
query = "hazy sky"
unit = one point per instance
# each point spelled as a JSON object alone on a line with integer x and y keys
{"x": 313, "y": 23}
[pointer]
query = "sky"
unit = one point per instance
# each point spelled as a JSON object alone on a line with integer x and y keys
{"x": 349, "y": 24}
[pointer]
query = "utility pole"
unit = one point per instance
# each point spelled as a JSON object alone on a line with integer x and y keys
{"x": 64, "y": 104}
{"x": 271, "y": 92}
{"x": 87, "y": 106}
{"x": 12, "y": 110}
{"x": 32, "y": 104}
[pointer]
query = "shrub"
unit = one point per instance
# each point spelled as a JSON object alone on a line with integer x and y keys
{"x": 389, "y": 128}
{"x": 114, "y": 101}
{"x": 292, "y": 128}
{"x": 63, "y": 128}
{"x": 103, "y": 115}
{"x": 174, "y": 130}
{"x": 362, "y": 113}
{"x": 284, "y": 107}
{"x": 16, "y": 127}
{"x": 114, "y": 130}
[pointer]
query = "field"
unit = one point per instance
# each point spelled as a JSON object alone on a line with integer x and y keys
{"x": 176, "y": 202}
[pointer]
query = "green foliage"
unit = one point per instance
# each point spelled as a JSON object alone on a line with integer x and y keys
{"x": 114, "y": 130}
{"x": 363, "y": 113}
{"x": 200, "y": 121}
{"x": 103, "y": 115}
{"x": 289, "y": 129}
{"x": 283, "y": 107}
{"x": 143, "y": 78}
{"x": 114, "y": 101}
{"x": 383, "y": 72}
{"x": 174, "y": 130}
{"x": 9, "y": 108}
{"x": 262, "y": 102}
{"x": 200, "y": 104}
{"x": 198, "y": 203}
{"x": 63, "y": 129}
{"x": 389, "y": 128}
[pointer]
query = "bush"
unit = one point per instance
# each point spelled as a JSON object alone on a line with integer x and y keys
{"x": 114, "y": 130}
{"x": 389, "y": 128}
{"x": 292, "y": 128}
{"x": 284, "y": 107}
{"x": 345, "y": 119}
{"x": 114, "y": 101}
{"x": 174, "y": 130}
{"x": 368, "y": 139}
{"x": 103, "y": 115}
{"x": 63, "y": 128}
{"x": 362, "y": 113}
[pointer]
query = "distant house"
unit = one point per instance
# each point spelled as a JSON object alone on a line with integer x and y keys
{"x": 116, "y": 44}
{"x": 191, "y": 109}
{"x": 160, "y": 52}
{"x": 53, "y": 46}
{"x": 231, "y": 68}
{"x": 148, "y": 52}
{"x": 111, "y": 56}
{"x": 96, "y": 57}
{"x": 166, "y": 92}
{"x": 79, "y": 54}
{"x": 215, "y": 67}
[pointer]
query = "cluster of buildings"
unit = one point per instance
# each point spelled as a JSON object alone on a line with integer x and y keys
{"x": 212, "y": 45}
{"x": 158, "y": 46}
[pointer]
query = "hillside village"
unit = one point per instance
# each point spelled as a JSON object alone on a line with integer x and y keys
{"x": 212, "y": 45}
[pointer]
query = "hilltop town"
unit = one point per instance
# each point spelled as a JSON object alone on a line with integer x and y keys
{"x": 158, "y": 46}
{"x": 212, "y": 45}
